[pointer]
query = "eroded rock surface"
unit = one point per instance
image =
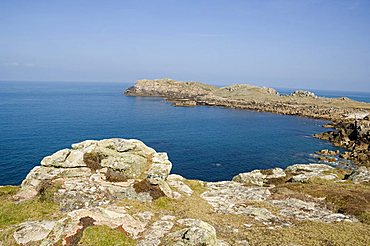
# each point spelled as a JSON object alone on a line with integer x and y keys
{"x": 94, "y": 173}
{"x": 125, "y": 186}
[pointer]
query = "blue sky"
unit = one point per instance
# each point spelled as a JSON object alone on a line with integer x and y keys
{"x": 280, "y": 43}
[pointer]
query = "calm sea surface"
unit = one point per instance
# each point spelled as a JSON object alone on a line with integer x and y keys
{"x": 208, "y": 143}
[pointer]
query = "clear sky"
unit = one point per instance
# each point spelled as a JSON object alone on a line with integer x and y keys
{"x": 281, "y": 43}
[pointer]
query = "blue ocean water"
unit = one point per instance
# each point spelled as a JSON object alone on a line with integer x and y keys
{"x": 208, "y": 143}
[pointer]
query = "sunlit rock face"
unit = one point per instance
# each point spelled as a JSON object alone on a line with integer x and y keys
{"x": 97, "y": 172}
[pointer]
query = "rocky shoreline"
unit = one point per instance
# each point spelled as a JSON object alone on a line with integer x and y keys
{"x": 122, "y": 192}
{"x": 350, "y": 119}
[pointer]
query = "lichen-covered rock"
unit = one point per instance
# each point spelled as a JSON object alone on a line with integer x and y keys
{"x": 94, "y": 173}
{"x": 229, "y": 197}
{"x": 29, "y": 232}
{"x": 259, "y": 177}
{"x": 176, "y": 182}
{"x": 197, "y": 232}
{"x": 56, "y": 159}
{"x": 360, "y": 175}
{"x": 112, "y": 216}
{"x": 160, "y": 168}
{"x": 304, "y": 172}
{"x": 157, "y": 231}
{"x": 303, "y": 210}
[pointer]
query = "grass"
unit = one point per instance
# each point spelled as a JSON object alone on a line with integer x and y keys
{"x": 103, "y": 235}
{"x": 8, "y": 190}
{"x": 12, "y": 213}
{"x": 311, "y": 233}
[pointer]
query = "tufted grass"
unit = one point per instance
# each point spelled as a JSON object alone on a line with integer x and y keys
{"x": 103, "y": 235}
{"x": 12, "y": 212}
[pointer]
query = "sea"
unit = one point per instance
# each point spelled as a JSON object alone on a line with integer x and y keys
{"x": 207, "y": 143}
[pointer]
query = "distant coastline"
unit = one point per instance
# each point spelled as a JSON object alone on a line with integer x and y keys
{"x": 350, "y": 118}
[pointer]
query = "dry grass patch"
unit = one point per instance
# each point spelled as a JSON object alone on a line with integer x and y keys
{"x": 311, "y": 233}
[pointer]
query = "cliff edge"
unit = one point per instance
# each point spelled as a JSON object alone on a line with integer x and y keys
{"x": 122, "y": 192}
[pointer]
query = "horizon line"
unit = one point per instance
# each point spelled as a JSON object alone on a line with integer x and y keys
{"x": 218, "y": 85}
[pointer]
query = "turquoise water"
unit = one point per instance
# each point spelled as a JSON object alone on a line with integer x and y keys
{"x": 208, "y": 143}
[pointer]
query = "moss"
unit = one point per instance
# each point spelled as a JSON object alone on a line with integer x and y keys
{"x": 93, "y": 160}
{"x": 103, "y": 235}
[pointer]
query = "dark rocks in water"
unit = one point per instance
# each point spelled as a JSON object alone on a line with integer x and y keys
{"x": 353, "y": 135}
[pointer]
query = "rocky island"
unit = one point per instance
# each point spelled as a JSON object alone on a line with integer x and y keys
{"x": 122, "y": 192}
{"x": 350, "y": 119}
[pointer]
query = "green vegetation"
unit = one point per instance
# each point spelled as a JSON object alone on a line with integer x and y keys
{"x": 12, "y": 212}
{"x": 103, "y": 235}
{"x": 8, "y": 190}
{"x": 196, "y": 186}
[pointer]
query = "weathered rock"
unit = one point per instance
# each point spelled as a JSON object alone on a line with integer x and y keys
{"x": 259, "y": 177}
{"x": 33, "y": 231}
{"x": 229, "y": 197}
{"x": 196, "y": 233}
{"x": 302, "y": 210}
{"x": 304, "y": 172}
{"x": 328, "y": 152}
{"x": 303, "y": 93}
{"x": 360, "y": 175}
{"x": 157, "y": 231}
{"x": 160, "y": 168}
{"x": 176, "y": 182}
{"x": 94, "y": 173}
{"x": 112, "y": 216}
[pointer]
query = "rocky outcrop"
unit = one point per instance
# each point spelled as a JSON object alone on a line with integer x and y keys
{"x": 360, "y": 175}
{"x": 352, "y": 135}
{"x": 303, "y": 93}
{"x": 169, "y": 88}
{"x": 125, "y": 186}
{"x": 260, "y": 177}
{"x": 93, "y": 173}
